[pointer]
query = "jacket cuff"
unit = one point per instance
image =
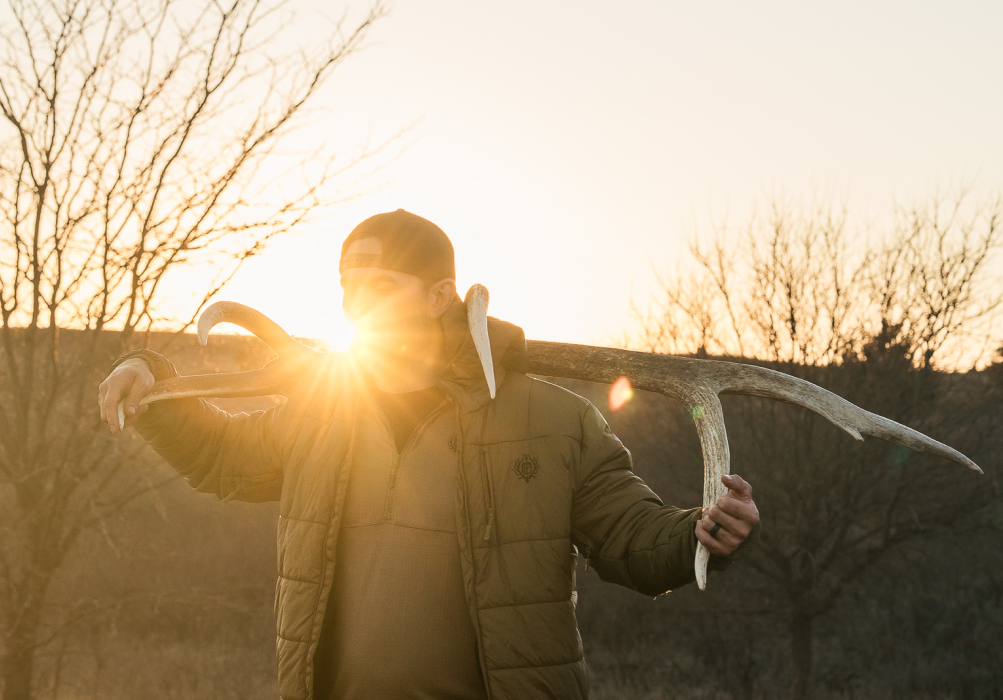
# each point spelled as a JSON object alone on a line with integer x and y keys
{"x": 160, "y": 366}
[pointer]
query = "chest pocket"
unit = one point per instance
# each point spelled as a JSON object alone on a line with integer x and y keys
{"x": 530, "y": 484}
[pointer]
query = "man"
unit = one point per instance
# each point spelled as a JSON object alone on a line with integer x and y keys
{"x": 428, "y": 534}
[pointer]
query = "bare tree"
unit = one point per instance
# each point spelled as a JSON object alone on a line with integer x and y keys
{"x": 137, "y": 137}
{"x": 811, "y": 293}
{"x": 873, "y": 320}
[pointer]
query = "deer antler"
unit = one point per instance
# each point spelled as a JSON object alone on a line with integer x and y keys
{"x": 696, "y": 384}
{"x": 260, "y": 382}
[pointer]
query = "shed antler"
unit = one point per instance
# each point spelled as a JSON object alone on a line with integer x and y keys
{"x": 266, "y": 381}
{"x": 696, "y": 384}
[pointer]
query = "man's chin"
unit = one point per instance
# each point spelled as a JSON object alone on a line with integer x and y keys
{"x": 369, "y": 350}
{"x": 401, "y": 343}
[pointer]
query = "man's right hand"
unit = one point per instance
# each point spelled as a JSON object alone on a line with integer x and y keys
{"x": 129, "y": 382}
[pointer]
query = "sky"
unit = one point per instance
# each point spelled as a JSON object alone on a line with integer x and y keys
{"x": 571, "y": 149}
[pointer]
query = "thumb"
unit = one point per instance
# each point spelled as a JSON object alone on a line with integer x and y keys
{"x": 737, "y": 487}
{"x": 130, "y": 402}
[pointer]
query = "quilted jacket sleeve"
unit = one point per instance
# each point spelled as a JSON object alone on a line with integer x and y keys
{"x": 629, "y": 536}
{"x": 232, "y": 456}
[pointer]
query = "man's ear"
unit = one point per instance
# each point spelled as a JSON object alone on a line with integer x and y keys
{"x": 441, "y": 296}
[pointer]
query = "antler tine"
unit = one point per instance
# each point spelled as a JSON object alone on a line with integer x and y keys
{"x": 697, "y": 384}
{"x": 254, "y": 321}
{"x": 477, "y": 321}
{"x": 260, "y": 382}
{"x": 705, "y": 407}
{"x": 759, "y": 381}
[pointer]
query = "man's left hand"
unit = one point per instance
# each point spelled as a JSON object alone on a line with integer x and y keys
{"x": 735, "y": 512}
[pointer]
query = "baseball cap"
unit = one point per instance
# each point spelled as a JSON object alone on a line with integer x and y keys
{"x": 410, "y": 244}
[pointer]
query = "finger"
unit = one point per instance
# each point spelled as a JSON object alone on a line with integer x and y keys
{"x": 742, "y": 489}
{"x": 743, "y": 510}
{"x": 110, "y": 406}
{"x": 713, "y": 546}
{"x": 132, "y": 420}
{"x": 730, "y": 523}
{"x": 118, "y": 390}
{"x": 132, "y": 398}
{"x": 730, "y": 540}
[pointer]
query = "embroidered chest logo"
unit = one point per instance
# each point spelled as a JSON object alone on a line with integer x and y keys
{"x": 526, "y": 467}
{"x": 453, "y": 443}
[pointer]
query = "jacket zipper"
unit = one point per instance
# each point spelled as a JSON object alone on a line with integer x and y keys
{"x": 399, "y": 456}
{"x": 472, "y": 600}
{"x": 389, "y": 514}
{"x": 489, "y": 491}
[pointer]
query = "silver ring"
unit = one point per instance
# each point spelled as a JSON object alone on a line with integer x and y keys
{"x": 713, "y": 530}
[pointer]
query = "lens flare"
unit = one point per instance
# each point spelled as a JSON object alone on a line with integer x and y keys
{"x": 620, "y": 393}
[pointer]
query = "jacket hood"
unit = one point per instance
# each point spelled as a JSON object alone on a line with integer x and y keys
{"x": 463, "y": 378}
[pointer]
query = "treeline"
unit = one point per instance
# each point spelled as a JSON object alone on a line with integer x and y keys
{"x": 878, "y": 575}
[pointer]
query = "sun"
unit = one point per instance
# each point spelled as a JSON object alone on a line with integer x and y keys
{"x": 332, "y": 334}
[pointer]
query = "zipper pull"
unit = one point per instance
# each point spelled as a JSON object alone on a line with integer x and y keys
{"x": 491, "y": 520}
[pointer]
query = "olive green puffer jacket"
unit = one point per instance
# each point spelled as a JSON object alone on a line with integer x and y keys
{"x": 541, "y": 478}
